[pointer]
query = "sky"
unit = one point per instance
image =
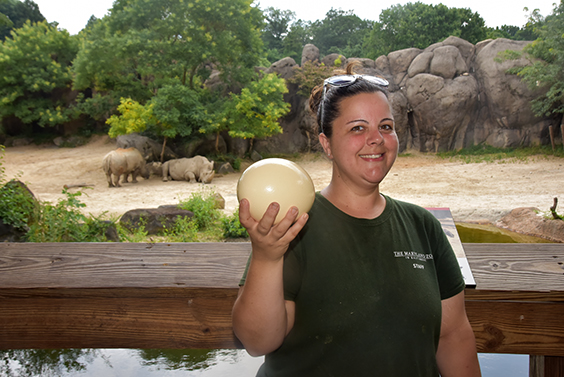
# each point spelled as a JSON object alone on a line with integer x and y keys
{"x": 73, "y": 15}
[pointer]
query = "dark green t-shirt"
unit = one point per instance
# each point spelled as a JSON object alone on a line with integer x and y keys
{"x": 367, "y": 292}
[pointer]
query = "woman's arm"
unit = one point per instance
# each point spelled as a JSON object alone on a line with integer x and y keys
{"x": 456, "y": 355}
{"x": 261, "y": 316}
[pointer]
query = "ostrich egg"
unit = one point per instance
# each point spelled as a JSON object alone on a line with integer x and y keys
{"x": 276, "y": 180}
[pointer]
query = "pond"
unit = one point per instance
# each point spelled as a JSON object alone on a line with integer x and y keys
{"x": 172, "y": 363}
{"x": 216, "y": 363}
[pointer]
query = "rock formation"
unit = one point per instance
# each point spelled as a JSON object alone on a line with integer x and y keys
{"x": 451, "y": 95}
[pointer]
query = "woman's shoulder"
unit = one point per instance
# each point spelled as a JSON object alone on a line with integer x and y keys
{"x": 410, "y": 209}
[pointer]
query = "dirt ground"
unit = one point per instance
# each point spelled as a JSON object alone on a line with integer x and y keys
{"x": 475, "y": 192}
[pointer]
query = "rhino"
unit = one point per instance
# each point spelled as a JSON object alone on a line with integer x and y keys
{"x": 124, "y": 162}
{"x": 197, "y": 168}
{"x": 150, "y": 149}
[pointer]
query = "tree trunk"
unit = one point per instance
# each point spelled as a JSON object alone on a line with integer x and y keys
{"x": 163, "y": 150}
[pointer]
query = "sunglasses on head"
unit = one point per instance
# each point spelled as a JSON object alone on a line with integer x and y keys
{"x": 347, "y": 80}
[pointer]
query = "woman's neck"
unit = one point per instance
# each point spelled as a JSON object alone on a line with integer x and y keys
{"x": 360, "y": 204}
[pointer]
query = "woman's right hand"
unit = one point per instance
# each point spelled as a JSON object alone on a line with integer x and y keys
{"x": 269, "y": 241}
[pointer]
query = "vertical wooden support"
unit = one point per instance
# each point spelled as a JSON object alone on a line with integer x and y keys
{"x": 551, "y": 133}
{"x": 546, "y": 366}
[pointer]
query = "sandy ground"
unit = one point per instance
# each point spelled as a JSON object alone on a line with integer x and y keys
{"x": 474, "y": 192}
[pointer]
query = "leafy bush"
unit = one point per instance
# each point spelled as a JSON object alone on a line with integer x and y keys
{"x": 232, "y": 227}
{"x": 203, "y": 205}
{"x": 63, "y": 222}
{"x": 135, "y": 234}
{"x": 17, "y": 205}
{"x": 309, "y": 76}
{"x": 184, "y": 230}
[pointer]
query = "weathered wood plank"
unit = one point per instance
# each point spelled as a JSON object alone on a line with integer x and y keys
{"x": 173, "y": 318}
{"x": 520, "y": 267}
{"x": 534, "y": 328}
{"x": 115, "y": 265}
{"x": 180, "y": 296}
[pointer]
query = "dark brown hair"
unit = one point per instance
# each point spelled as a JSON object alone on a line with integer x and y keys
{"x": 334, "y": 96}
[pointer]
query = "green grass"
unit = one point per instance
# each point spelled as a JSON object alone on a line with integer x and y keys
{"x": 487, "y": 153}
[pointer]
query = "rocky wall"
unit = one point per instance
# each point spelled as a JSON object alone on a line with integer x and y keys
{"x": 451, "y": 95}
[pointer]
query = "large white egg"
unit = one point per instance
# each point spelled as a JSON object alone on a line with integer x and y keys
{"x": 276, "y": 180}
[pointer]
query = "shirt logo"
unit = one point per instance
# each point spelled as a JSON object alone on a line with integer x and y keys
{"x": 414, "y": 256}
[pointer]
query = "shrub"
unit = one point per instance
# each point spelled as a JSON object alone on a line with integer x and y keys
{"x": 17, "y": 205}
{"x": 63, "y": 222}
{"x": 232, "y": 227}
{"x": 184, "y": 230}
{"x": 203, "y": 205}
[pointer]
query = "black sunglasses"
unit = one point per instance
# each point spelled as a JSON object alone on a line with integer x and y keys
{"x": 347, "y": 80}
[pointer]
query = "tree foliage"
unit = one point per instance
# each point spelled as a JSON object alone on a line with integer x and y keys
{"x": 145, "y": 44}
{"x": 14, "y": 14}
{"x": 420, "y": 25}
{"x": 134, "y": 118}
{"x": 340, "y": 32}
{"x": 309, "y": 76}
{"x": 547, "y": 71}
{"x": 276, "y": 28}
{"x": 254, "y": 113}
{"x": 36, "y": 74}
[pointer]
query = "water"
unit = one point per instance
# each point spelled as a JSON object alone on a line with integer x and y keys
{"x": 172, "y": 363}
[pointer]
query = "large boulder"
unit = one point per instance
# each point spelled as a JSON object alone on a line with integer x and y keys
{"x": 154, "y": 220}
{"x": 284, "y": 68}
{"x": 442, "y": 110}
{"x": 507, "y": 119}
{"x": 310, "y": 53}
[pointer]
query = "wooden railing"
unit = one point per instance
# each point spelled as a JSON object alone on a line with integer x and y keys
{"x": 179, "y": 295}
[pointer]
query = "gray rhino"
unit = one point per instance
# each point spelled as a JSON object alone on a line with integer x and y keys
{"x": 197, "y": 168}
{"x": 124, "y": 162}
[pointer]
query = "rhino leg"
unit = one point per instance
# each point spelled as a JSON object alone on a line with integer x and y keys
{"x": 189, "y": 176}
{"x": 165, "y": 172}
{"x": 109, "y": 178}
{"x": 134, "y": 176}
{"x": 118, "y": 176}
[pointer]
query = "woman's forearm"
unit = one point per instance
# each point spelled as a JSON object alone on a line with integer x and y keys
{"x": 260, "y": 318}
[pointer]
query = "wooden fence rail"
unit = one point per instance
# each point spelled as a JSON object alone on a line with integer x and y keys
{"x": 179, "y": 295}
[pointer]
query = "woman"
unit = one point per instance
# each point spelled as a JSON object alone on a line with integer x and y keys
{"x": 363, "y": 285}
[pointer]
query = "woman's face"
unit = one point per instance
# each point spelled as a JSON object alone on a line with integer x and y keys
{"x": 364, "y": 144}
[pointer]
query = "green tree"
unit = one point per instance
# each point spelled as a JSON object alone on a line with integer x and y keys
{"x": 15, "y": 13}
{"x": 145, "y": 44}
{"x": 420, "y": 25}
{"x": 547, "y": 70}
{"x": 36, "y": 75}
{"x": 177, "y": 111}
{"x": 254, "y": 113}
{"x": 298, "y": 36}
{"x": 340, "y": 31}
{"x": 134, "y": 118}
{"x": 276, "y": 28}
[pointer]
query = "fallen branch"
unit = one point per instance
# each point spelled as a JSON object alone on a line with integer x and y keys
{"x": 555, "y": 216}
{"x": 66, "y": 187}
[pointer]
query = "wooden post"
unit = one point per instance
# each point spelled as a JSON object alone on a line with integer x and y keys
{"x": 546, "y": 366}
{"x": 562, "y": 133}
